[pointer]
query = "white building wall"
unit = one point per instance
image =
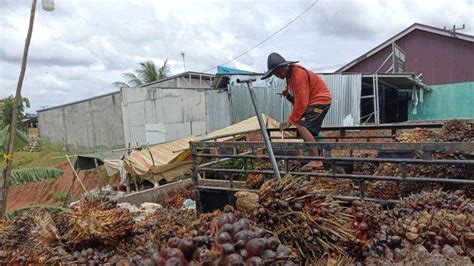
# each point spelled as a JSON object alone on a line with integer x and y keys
{"x": 180, "y": 112}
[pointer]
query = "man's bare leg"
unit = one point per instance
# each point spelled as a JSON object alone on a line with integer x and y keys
{"x": 308, "y": 137}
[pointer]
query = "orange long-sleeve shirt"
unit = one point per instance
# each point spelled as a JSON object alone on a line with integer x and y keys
{"x": 305, "y": 93}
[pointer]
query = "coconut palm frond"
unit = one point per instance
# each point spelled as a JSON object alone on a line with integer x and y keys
{"x": 146, "y": 73}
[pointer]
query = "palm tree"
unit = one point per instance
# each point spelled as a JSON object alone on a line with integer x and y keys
{"x": 146, "y": 73}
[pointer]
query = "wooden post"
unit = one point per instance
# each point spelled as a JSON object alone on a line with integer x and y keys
{"x": 10, "y": 143}
{"x": 75, "y": 173}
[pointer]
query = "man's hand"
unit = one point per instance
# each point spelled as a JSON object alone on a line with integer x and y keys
{"x": 284, "y": 125}
{"x": 283, "y": 93}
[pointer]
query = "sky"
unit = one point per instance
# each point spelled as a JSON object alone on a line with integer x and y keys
{"x": 82, "y": 47}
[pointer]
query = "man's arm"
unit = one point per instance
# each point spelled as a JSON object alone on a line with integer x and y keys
{"x": 300, "y": 89}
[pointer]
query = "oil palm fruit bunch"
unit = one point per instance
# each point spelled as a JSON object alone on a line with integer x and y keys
{"x": 32, "y": 238}
{"x": 97, "y": 221}
{"x": 254, "y": 181}
{"x": 304, "y": 217}
{"x": 383, "y": 189}
{"x": 457, "y": 131}
{"x": 417, "y": 135}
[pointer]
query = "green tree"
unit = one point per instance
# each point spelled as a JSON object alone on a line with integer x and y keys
{"x": 6, "y": 109}
{"x": 147, "y": 72}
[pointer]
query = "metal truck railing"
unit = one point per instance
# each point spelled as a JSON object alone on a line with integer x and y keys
{"x": 206, "y": 155}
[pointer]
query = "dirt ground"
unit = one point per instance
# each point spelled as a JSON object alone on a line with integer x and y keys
{"x": 47, "y": 192}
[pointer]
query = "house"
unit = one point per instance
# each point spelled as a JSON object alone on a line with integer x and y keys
{"x": 441, "y": 58}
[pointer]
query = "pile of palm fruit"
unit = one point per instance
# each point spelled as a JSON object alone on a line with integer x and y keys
{"x": 452, "y": 131}
{"x": 304, "y": 217}
{"x": 439, "y": 222}
{"x": 295, "y": 221}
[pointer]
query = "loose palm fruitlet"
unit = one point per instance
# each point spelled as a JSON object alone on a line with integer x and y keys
{"x": 439, "y": 221}
{"x": 230, "y": 241}
{"x": 419, "y": 255}
{"x": 301, "y": 214}
{"x": 97, "y": 221}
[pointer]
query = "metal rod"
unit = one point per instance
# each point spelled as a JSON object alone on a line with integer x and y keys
{"x": 341, "y": 159}
{"x": 426, "y": 146}
{"x": 194, "y": 176}
{"x": 349, "y": 176}
{"x": 362, "y": 187}
{"x": 263, "y": 128}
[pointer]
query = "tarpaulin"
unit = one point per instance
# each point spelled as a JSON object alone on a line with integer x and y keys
{"x": 250, "y": 124}
{"x": 153, "y": 162}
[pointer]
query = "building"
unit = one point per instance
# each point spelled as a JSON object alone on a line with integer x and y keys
{"x": 441, "y": 58}
{"x": 90, "y": 124}
{"x": 189, "y": 79}
{"x": 353, "y": 97}
{"x": 100, "y": 123}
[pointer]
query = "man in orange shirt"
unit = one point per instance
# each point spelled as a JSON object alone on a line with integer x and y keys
{"x": 309, "y": 95}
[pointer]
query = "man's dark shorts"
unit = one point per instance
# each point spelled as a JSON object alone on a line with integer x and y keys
{"x": 313, "y": 118}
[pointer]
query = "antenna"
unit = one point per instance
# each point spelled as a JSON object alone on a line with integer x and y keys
{"x": 184, "y": 61}
{"x": 454, "y": 29}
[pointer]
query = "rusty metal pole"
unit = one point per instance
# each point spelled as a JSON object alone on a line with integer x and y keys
{"x": 10, "y": 143}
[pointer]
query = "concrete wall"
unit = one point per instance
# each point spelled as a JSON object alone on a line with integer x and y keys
{"x": 172, "y": 113}
{"x": 91, "y": 124}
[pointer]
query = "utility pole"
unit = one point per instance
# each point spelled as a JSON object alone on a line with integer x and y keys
{"x": 10, "y": 143}
{"x": 184, "y": 61}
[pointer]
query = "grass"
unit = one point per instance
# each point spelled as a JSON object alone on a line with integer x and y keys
{"x": 18, "y": 212}
{"x": 60, "y": 196}
{"x": 24, "y": 159}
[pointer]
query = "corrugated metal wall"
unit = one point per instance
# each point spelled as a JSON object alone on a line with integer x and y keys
{"x": 268, "y": 101}
{"x": 346, "y": 100}
{"x": 450, "y": 101}
{"x": 217, "y": 109}
{"x": 345, "y": 108}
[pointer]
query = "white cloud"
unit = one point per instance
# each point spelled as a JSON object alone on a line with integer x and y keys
{"x": 78, "y": 50}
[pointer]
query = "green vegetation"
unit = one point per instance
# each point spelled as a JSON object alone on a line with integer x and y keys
{"x": 25, "y": 159}
{"x": 60, "y": 196}
{"x": 6, "y": 109}
{"x": 17, "y": 212}
{"x": 146, "y": 73}
{"x": 28, "y": 175}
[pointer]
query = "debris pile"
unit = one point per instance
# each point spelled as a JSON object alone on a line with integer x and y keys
{"x": 175, "y": 198}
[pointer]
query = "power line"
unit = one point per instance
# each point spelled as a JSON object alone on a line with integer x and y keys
{"x": 269, "y": 37}
{"x": 454, "y": 14}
